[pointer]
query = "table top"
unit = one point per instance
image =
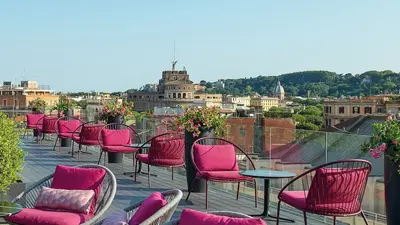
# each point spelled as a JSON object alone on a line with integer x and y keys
{"x": 9, "y": 208}
{"x": 267, "y": 174}
{"x": 138, "y": 145}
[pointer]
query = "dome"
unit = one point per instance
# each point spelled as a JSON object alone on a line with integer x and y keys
{"x": 279, "y": 89}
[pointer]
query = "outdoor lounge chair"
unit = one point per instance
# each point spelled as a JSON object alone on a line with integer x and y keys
{"x": 27, "y": 199}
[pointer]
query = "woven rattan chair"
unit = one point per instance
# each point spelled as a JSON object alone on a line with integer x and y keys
{"x": 163, "y": 215}
{"x": 220, "y": 213}
{"x": 27, "y": 198}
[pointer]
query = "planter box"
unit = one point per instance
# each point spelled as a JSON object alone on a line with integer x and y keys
{"x": 15, "y": 190}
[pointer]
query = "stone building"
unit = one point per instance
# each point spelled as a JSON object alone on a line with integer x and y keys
{"x": 279, "y": 91}
{"x": 174, "y": 89}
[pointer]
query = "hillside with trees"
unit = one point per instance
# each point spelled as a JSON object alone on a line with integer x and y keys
{"x": 317, "y": 83}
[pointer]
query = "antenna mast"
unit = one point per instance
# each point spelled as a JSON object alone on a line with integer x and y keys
{"x": 174, "y": 62}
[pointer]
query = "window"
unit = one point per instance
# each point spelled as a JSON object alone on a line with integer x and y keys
{"x": 341, "y": 109}
{"x": 15, "y": 102}
{"x": 174, "y": 95}
{"x": 381, "y": 110}
{"x": 328, "y": 122}
{"x": 368, "y": 110}
{"x": 356, "y": 110}
{"x": 184, "y": 95}
{"x": 4, "y": 102}
{"x": 242, "y": 132}
{"x": 328, "y": 109}
{"x": 179, "y": 95}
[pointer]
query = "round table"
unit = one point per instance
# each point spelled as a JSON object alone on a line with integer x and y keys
{"x": 268, "y": 175}
{"x": 9, "y": 208}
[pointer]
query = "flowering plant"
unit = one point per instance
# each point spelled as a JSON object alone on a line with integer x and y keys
{"x": 385, "y": 140}
{"x": 114, "y": 108}
{"x": 64, "y": 104}
{"x": 37, "y": 104}
{"x": 195, "y": 120}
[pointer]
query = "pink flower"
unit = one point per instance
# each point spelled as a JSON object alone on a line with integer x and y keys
{"x": 382, "y": 147}
{"x": 376, "y": 155}
{"x": 395, "y": 142}
{"x": 195, "y": 134}
{"x": 389, "y": 118}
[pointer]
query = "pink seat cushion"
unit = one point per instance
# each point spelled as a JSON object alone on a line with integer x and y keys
{"x": 44, "y": 217}
{"x": 192, "y": 217}
{"x": 116, "y": 137}
{"x": 215, "y": 157}
{"x": 169, "y": 148}
{"x": 74, "y": 178}
{"x": 116, "y": 218}
{"x": 68, "y": 200}
{"x": 149, "y": 206}
{"x": 162, "y": 162}
{"x": 123, "y": 149}
{"x": 67, "y": 126}
{"x": 49, "y": 125}
{"x": 340, "y": 185}
{"x": 223, "y": 175}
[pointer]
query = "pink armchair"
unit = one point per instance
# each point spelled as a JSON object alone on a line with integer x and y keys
{"x": 86, "y": 134}
{"x": 215, "y": 160}
{"x": 32, "y": 121}
{"x": 166, "y": 150}
{"x": 115, "y": 138}
{"x": 333, "y": 189}
{"x": 65, "y": 127}
{"x": 46, "y": 125}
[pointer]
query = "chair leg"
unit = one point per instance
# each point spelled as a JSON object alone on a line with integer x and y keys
{"x": 172, "y": 171}
{"x": 191, "y": 188}
{"x": 148, "y": 174}
{"x": 105, "y": 154}
{"x": 59, "y": 140}
{"x": 86, "y": 148}
{"x": 24, "y": 133}
{"x": 305, "y": 218}
{"x": 72, "y": 148}
{"x": 365, "y": 218}
{"x": 237, "y": 192}
{"x": 277, "y": 212}
{"x": 101, "y": 153}
{"x": 255, "y": 193}
{"x": 55, "y": 143}
{"x": 334, "y": 220}
{"x": 206, "y": 194}
{"x": 136, "y": 165}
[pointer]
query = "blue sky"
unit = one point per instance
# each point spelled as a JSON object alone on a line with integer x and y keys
{"x": 116, "y": 45}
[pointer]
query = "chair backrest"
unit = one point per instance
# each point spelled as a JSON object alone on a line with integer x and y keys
{"x": 89, "y": 131}
{"x": 164, "y": 214}
{"x": 219, "y": 213}
{"x": 167, "y": 146}
{"x": 216, "y": 154}
{"x": 117, "y": 135}
{"x": 27, "y": 199}
{"x": 33, "y": 118}
{"x": 340, "y": 185}
{"x": 49, "y": 124}
{"x": 67, "y": 124}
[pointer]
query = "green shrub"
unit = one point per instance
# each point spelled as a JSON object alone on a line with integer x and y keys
{"x": 11, "y": 154}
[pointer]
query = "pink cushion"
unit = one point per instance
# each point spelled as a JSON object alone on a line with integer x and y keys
{"x": 43, "y": 217}
{"x": 74, "y": 178}
{"x": 149, "y": 206}
{"x": 167, "y": 148}
{"x": 116, "y": 218}
{"x": 32, "y": 119}
{"x": 192, "y": 217}
{"x": 91, "y": 132}
{"x": 66, "y": 126}
{"x": 336, "y": 185}
{"x": 297, "y": 199}
{"x": 49, "y": 125}
{"x": 161, "y": 162}
{"x": 123, "y": 149}
{"x": 223, "y": 175}
{"x": 72, "y": 200}
{"x": 215, "y": 157}
{"x": 116, "y": 137}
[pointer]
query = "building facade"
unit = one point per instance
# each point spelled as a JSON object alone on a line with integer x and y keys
{"x": 340, "y": 110}
{"x": 14, "y": 99}
{"x": 174, "y": 89}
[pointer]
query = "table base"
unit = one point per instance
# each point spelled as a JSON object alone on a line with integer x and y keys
{"x": 269, "y": 217}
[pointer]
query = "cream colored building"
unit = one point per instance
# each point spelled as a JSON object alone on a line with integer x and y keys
{"x": 263, "y": 102}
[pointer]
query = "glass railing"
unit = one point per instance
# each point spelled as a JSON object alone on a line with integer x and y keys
{"x": 276, "y": 144}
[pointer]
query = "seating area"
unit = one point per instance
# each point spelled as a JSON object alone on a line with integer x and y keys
{"x": 65, "y": 190}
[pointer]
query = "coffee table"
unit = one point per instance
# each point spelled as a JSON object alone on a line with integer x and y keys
{"x": 267, "y": 175}
{"x": 9, "y": 208}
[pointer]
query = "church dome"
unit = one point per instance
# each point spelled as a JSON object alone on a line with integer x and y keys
{"x": 279, "y": 89}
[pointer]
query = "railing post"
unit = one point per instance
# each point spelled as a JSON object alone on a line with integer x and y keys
{"x": 326, "y": 147}
{"x": 270, "y": 147}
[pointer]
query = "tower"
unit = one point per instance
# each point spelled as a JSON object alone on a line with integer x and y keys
{"x": 279, "y": 91}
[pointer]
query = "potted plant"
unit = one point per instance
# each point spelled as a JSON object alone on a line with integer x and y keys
{"x": 64, "y": 107}
{"x": 198, "y": 122}
{"x": 12, "y": 159}
{"x": 114, "y": 111}
{"x": 38, "y": 105}
{"x": 385, "y": 142}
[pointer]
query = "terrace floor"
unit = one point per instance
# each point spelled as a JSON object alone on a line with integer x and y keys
{"x": 42, "y": 160}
